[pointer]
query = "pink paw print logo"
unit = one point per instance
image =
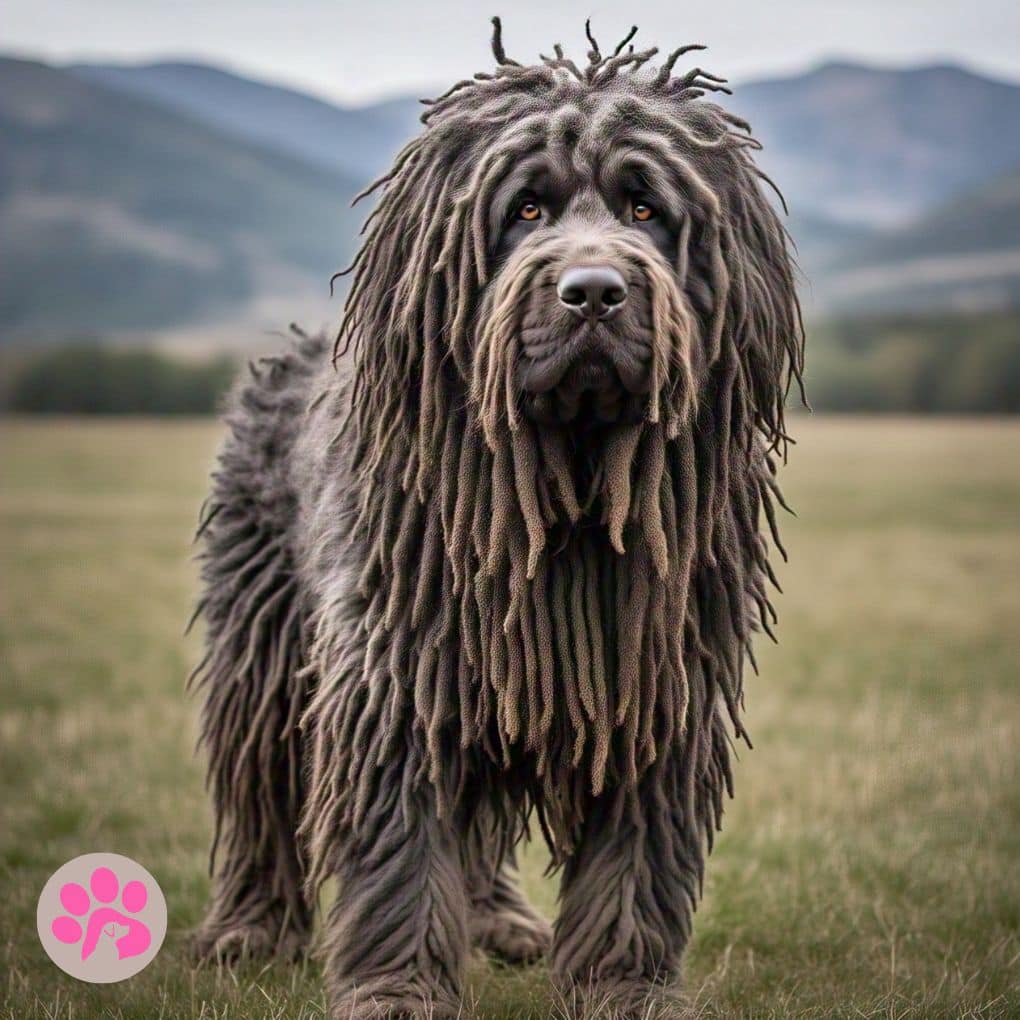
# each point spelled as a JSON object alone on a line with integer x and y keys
{"x": 101, "y": 917}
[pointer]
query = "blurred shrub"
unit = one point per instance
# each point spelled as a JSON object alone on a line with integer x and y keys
{"x": 950, "y": 364}
{"x": 93, "y": 379}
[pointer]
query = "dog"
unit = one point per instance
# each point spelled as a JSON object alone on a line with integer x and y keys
{"x": 496, "y": 555}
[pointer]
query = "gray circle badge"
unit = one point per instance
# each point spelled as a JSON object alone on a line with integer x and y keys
{"x": 101, "y": 918}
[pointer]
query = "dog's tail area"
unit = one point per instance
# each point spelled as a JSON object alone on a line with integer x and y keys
{"x": 251, "y": 677}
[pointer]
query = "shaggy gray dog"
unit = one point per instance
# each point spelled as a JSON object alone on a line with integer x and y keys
{"x": 500, "y": 557}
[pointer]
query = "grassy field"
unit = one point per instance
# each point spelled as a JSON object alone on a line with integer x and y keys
{"x": 870, "y": 864}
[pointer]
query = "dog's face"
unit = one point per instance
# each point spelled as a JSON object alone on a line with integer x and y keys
{"x": 594, "y": 227}
{"x": 586, "y": 330}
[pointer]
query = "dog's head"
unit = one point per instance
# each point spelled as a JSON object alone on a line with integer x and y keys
{"x": 573, "y": 321}
{"x": 577, "y": 248}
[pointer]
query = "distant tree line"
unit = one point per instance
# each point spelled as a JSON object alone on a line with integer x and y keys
{"x": 960, "y": 364}
{"x": 94, "y": 379}
{"x": 953, "y": 364}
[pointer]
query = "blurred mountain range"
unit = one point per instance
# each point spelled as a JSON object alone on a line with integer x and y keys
{"x": 180, "y": 199}
{"x": 880, "y": 147}
{"x": 357, "y": 142}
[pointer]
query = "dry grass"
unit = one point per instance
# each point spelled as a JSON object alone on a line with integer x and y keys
{"x": 869, "y": 863}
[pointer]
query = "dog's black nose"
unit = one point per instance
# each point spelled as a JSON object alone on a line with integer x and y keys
{"x": 592, "y": 292}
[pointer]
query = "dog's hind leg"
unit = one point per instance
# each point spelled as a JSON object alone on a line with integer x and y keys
{"x": 501, "y": 921}
{"x": 252, "y": 678}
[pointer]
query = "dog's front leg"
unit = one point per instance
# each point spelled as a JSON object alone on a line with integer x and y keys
{"x": 625, "y": 915}
{"x": 396, "y": 937}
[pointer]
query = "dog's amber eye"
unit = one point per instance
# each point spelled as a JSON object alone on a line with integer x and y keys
{"x": 529, "y": 211}
{"x": 643, "y": 212}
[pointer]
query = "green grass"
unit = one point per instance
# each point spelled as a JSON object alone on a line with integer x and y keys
{"x": 869, "y": 864}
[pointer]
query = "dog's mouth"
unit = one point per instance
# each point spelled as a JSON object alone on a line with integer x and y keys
{"x": 588, "y": 392}
{"x": 594, "y": 376}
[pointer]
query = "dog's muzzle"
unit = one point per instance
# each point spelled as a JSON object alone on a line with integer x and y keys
{"x": 587, "y": 358}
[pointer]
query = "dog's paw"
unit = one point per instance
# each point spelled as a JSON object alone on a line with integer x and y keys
{"x": 624, "y": 999}
{"x": 222, "y": 942}
{"x": 384, "y": 1001}
{"x": 511, "y": 936}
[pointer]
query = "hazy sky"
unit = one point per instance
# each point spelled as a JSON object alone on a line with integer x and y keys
{"x": 357, "y": 51}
